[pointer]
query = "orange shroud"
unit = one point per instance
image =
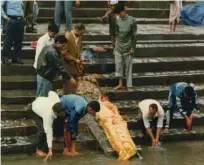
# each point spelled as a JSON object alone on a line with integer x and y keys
{"x": 109, "y": 118}
{"x": 116, "y": 130}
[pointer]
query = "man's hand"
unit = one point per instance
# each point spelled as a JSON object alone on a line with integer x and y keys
{"x": 8, "y": 20}
{"x": 77, "y": 4}
{"x": 49, "y": 155}
{"x": 78, "y": 61}
{"x": 131, "y": 52}
{"x": 73, "y": 81}
{"x": 154, "y": 142}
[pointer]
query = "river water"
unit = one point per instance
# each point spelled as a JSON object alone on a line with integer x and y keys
{"x": 180, "y": 153}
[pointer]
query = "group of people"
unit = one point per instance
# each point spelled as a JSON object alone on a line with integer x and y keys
{"x": 182, "y": 98}
{"x": 61, "y": 55}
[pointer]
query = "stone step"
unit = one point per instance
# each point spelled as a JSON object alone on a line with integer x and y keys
{"x": 27, "y": 127}
{"x": 28, "y": 144}
{"x": 103, "y": 4}
{"x": 142, "y": 50}
{"x": 128, "y": 107}
{"x": 100, "y": 32}
{"x": 138, "y": 93}
{"x": 102, "y": 43}
{"x": 156, "y": 78}
{"x": 143, "y": 92}
{"x": 97, "y": 20}
{"x": 99, "y": 12}
{"x": 105, "y": 66}
{"x": 178, "y": 121}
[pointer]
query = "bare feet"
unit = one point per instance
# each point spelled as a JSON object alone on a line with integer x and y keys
{"x": 166, "y": 131}
{"x": 41, "y": 153}
{"x": 74, "y": 153}
{"x": 67, "y": 153}
{"x": 129, "y": 89}
{"x": 193, "y": 132}
{"x": 118, "y": 87}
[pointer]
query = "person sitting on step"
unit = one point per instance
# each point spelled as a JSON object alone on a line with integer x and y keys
{"x": 183, "y": 97}
{"x": 75, "y": 108}
{"x": 47, "y": 109}
{"x": 151, "y": 110}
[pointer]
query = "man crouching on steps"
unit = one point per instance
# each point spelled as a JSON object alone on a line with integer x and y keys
{"x": 75, "y": 108}
{"x": 151, "y": 110}
{"x": 46, "y": 109}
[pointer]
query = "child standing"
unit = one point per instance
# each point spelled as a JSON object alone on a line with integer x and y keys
{"x": 110, "y": 16}
{"x": 125, "y": 32}
{"x": 174, "y": 15}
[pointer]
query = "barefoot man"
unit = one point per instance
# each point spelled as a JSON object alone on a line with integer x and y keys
{"x": 126, "y": 29}
{"x": 46, "y": 109}
{"x": 183, "y": 97}
{"x": 75, "y": 108}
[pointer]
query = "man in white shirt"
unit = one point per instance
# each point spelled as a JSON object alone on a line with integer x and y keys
{"x": 46, "y": 109}
{"x": 152, "y": 111}
{"x": 45, "y": 40}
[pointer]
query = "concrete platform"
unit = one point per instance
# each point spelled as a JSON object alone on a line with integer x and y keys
{"x": 106, "y": 66}
{"x": 27, "y": 144}
{"x": 138, "y": 93}
{"x": 156, "y": 78}
{"x": 103, "y": 4}
{"x": 145, "y": 32}
{"x": 142, "y": 50}
{"x": 99, "y": 12}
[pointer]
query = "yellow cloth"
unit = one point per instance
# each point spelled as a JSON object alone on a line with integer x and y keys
{"x": 116, "y": 130}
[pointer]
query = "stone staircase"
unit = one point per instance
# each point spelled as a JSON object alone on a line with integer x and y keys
{"x": 162, "y": 58}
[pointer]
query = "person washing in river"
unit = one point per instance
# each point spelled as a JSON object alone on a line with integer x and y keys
{"x": 183, "y": 97}
{"x": 75, "y": 108}
{"x": 47, "y": 109}
{"x": 126, "y": 29}
{"x": 151, "y": 110}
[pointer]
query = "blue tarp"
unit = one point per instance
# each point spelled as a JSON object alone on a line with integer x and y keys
{"x": 193, "y": 14}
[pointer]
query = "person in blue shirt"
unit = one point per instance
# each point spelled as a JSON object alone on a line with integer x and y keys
{"x": 13, "y": 15}
{"x": 75, "y": 108}
{"x": 183, "y": 97}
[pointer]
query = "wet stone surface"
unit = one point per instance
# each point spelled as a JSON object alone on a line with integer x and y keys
{"x": 103, "y": 29}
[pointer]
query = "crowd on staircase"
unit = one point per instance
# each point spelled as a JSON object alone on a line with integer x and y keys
{"x": 61, "y": 55}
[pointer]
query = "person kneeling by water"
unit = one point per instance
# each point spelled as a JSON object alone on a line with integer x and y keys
{"x": 46, "y": 109}
{"x": 151, "y": 110}
{"x": 183, "y": 97}
{"x": 75, "y": 108}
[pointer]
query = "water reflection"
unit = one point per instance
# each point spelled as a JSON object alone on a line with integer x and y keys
{"x": 181, "y": 153}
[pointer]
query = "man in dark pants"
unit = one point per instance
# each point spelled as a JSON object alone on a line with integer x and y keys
{"x": 28, "y": 10}
{"x": 183, "y": 97}
{"x": 13, "y": 15}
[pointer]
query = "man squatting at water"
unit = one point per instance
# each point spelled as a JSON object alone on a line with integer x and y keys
{"x": 47, "y": 109}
